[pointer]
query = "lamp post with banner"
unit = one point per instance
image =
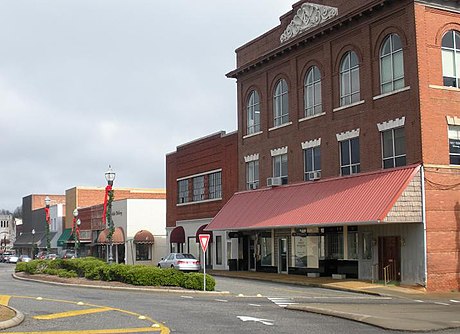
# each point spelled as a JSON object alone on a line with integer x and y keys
{"x": 33, "y": 243}
{"x": 76, "y": 231}
{"x": 47, "y": 220}
{"x": 107, "y": 213}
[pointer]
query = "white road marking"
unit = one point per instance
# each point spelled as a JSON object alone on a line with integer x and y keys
{"x": 282, "y": 302}
{"x": 455, "y": 301}
{"x": 418, "y": 301}
{"x": 439, "y": 303}
{"x": 257, "y": 305}
{"x": 221, "y": 300}
{"x": 263, "y": 321}
{"x": 187, "y": 297}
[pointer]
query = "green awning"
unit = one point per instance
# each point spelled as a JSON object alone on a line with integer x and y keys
{"x": 62, "y": 241}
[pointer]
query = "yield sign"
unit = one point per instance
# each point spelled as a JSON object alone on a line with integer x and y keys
{"x": 204, "y": 241}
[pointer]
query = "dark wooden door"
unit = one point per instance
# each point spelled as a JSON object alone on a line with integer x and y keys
{"x": 390, "y": 258}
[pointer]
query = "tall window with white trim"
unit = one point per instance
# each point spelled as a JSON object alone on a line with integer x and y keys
{"x": 252, "y": 174}
{"x": 198, "y": 188}
{"x": 215, "y": 185}
{"x": 454, "y": 144}
{"x": 312, "y": 163}
{"x": 349, "y": 79}
{"x": 312, "y": 92}
{"x": 393, "y": 148}
{"x": 280, "y": 104}
{"x": 391, "y": 64}
{"x": 182, "y": 191}
{"x": 280, "y": 167}
{"x": 450, "y": 51}
{"x": 349, "y": 156}
{"x": 253, "y": 113}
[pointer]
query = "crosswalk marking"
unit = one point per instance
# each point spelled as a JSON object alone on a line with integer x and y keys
{"x": 72, "y": 313}
{"x": 282, "y": 301}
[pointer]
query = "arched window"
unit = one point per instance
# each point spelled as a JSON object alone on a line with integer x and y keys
{"x": 391, "y": 64}
{"x": 253, "y": 113}
{"x": 280, "y": 104}
{"x": 312, "y": 92}
{"x": 451, "y": 58}
{"x": 349, "y": 79}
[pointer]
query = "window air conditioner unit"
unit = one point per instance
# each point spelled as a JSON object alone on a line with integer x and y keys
{"x": 316, "y": 175}
{"x": 252, "y": 186}
{"x": 274, "y": 181}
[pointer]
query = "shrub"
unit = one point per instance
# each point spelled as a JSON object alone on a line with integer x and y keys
{"x": 20, "y": 267}
{"x": 195, "y": 281}
{"x": 66, "y": 273}
{"x": 50, "y": 271}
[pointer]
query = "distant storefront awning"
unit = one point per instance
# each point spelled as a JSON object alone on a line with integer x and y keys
{"x": 143, "y": 237}
{"x": 64, "y": 238}
{"x": 365, "y": 198}
{"x": 177, "y": 235}
{"x": 118, "y": 237}
{"x": 26, "y": 239}
{"x": 202, "y": 231}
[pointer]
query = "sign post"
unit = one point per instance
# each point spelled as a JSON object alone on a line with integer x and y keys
{"x": 204, "y": 241}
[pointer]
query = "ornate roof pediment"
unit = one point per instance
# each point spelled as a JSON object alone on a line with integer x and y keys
{"x": 308, "y": 16}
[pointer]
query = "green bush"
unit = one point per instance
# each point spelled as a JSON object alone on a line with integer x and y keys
{"x": 51, "y": 271}
{"x": 20, "y": 267}
{"x": 66, "y": 273}
{"x": 195, "y": 281}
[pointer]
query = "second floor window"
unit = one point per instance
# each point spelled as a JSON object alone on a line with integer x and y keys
{"x": 394, "y": 148}
{"x": 391, "y": 64}
{"x": 349, "y": 156}
{"x": 454, "y": 144}
{"x": 253, "y": 113}
{"x": 182, "y": 187}
{"x": 451, "y": 58}
{"x": 349, "y": 79}
{"x": 198, "y": 188}
{"x": 215, "y": 185}
{"x": 280, "y": 167}
{"x": 252, "y": 174}
{"x": 312, "y": 162}
{"x": 312, "y": 93}
{"x": 280, "y": 104}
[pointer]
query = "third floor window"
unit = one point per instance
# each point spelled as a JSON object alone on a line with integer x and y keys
{"x": 391, "y": 64}
{"x": 312, "y": 92}
{"x": 451, "y": 58}
{"x": 280, "y": 104}
{"x": 253, "y": 113}
{"x": 349, "y": 79}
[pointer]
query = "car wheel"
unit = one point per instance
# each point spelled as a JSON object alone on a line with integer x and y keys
{"x": 158, "y": 266}
{"x": 172, "y": 266}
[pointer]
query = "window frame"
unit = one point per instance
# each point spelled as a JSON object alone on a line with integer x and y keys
{"x": 215, "y": 185}
{"x": 451, "y": 130}
{"x": 182, "y": 191}
{"x": 353, "y": 167}
{"x": 393, "y": 157}
{"x": 394, "y": 82}
{"x": 455, "y": 50}
{"x": 313, "y": 83}
{"x": 282, "y": 161}
{"x": 199, "y": 187}
{"x": 252, "y": 110}
{"x": 252, "y": 174}
{"x": 353, "y": 96}
{"x": 310, "y": 153}
{"x": 281, "y": 103}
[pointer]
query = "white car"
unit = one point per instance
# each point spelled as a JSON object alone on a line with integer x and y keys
{"x": 13, "y": 259}
{"x": 181, "y": 261}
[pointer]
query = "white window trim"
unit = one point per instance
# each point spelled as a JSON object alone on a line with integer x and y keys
{"x": 252, "y": 134}
{"x": 347, "y": 135}
{"x": 197, "y": 202}
{"x": 453, "y": 120}
{"x": 280, "y": 126}
{"x": 349, "y": 105}
{"x": 392, "y": 124}
{"x": 453, "y": 89}
{"x": 381, "y": 96}
{"x": 279, "y": 151}
{"x": 311, "y": 143}
{"x": 310, "y": 117}
{"x": 251, "y": 157}
{"x": 199, "y": 174}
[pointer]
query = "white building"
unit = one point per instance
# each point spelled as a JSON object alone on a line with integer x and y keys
{"x": 7, "y": 232}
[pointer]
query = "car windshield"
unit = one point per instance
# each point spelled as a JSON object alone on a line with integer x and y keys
{"x": 185, "y": 256}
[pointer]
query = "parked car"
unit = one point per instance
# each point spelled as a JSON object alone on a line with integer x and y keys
{"x": 13, "y": 259}
{"x": 40, "y": 255}
{"x": 67, "y": 254}
{"x": 181, "y": 261}
{"x": 5, "y": 256}
{"x": 24, "y": 258}
{"x": 51, "y": 257}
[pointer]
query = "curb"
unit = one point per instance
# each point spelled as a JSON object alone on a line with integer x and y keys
{"x": 119, "y": 287}
{"x": 16, "y": 320}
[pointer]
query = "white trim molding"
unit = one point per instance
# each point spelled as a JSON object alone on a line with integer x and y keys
{"x": 347, "y": 135}
{"x": 391, "y": 93}
{"x": 311, "y": 143}
{"x": 252, "y": 134}
{"x": 309, "y": 15}
{"x": 199, "y": 174}
{"x": 280, "y": 126}
{"x": 394, "y": 123}
{"x": 312, "y": 116}
{"x": 279, "y": 151}
{"x": 453, "y": 120}
{"x": 354, "y": 104}
{"x": 251, "y": 157}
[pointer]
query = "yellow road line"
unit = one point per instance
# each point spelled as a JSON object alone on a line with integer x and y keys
{"x": 4, "y": 299}
{"x": 162, "y": 330}
{"x": 72, "y": 313}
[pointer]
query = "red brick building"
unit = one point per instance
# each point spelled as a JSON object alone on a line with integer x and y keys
{"x": 361, "y": 96}
{"x": 201, "y": 176}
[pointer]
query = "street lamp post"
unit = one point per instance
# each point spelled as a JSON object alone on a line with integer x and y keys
{"x": 76, "y": 231}
{"x": 107, "y": 216}
{"x": 33, "y": 243}
{"x": 47, "y": 219}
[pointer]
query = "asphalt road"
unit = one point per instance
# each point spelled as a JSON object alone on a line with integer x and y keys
{"x": 249, "y": 307}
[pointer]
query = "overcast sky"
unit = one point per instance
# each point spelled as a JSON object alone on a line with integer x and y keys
{"x": 87, "y": 83}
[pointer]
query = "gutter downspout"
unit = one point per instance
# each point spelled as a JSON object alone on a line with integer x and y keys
{"x": 422, "y": 176}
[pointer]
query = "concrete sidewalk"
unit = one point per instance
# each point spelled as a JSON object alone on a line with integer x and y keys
{"x": 418, "y": 311}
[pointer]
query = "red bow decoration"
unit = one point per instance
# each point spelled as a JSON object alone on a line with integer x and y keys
{"x": 47, "y": 215}
{"x": 104, "y": 213}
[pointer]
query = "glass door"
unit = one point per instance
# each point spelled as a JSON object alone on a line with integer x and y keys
{"x": 282, "y": 255}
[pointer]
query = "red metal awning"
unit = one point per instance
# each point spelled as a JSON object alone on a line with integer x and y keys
{"x": 360, "y": 198}
{"x": 118, "y": 236}
{"x": 143, "y": 237}
{"x": 202, "y": 231}
{"x": 177, "y": 235}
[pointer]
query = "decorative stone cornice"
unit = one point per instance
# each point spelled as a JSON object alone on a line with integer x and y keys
{"x": 311, "y": 143}
{"x": 395, "y": 123}
{"x": 347, "y": 135}
{"x": 308, "y": 16}
{"x": 279, "y": 151}
{"x": 251, "y": 157}
{"x": 453, "y": 120}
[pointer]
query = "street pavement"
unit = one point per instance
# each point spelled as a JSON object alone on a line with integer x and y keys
{"x": 418, "y": 311}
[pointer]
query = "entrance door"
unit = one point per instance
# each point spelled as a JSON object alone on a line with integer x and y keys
{"x": 390, "y": 258}
{"x": 252, "y": 254}
{"x": 282, "y": 255}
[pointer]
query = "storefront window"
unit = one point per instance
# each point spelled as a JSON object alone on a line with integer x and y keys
{"x": 218, "y": 250}
{"x": 367, "y": 245}
{"x": 331, "y": 241}
{"x": 143, "y": 252}
{"x": 300, "y": 252}
{"x": 266, "y": 251}
{"x": 352, "y": 243}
